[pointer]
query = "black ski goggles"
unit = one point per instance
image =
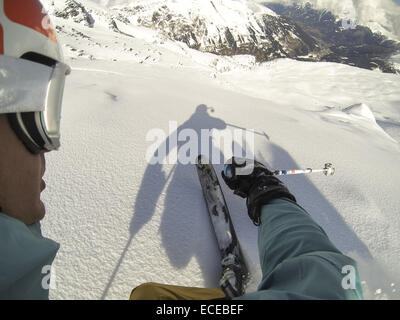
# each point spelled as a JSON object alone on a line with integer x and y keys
{"x": 33, "y": 101}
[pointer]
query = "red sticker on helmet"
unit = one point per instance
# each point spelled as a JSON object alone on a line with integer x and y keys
{"x": 1, "y": 40}
{"x": 31, "y": 14}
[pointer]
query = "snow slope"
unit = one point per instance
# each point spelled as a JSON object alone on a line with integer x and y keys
{"x": 122, "y": 222}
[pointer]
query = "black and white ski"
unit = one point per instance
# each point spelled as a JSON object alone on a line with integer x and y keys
{"x": 234, "y": 269}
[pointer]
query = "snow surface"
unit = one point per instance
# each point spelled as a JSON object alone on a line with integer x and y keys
{"x": 122, "y": 222}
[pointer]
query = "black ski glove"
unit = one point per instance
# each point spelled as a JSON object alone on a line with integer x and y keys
{"x": 250, "y": 179}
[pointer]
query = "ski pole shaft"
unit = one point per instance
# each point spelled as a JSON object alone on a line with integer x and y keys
{"x": 328, "y": 170}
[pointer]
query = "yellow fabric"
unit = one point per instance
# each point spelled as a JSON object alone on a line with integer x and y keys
{"x": 157, "y": 291}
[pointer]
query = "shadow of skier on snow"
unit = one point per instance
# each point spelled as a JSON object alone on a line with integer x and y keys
{"x": 155, "y": 178}
{"x": 179, "y": 226}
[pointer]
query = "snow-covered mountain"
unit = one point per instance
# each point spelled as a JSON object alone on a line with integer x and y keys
{"x": 379, "y": 15}
{"x": 347, "y": 41}
{"x": 223, "y": 27}
{"x": 227, "y": 27}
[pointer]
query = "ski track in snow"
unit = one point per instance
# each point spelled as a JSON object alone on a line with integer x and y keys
{"x": 122, "y": 222}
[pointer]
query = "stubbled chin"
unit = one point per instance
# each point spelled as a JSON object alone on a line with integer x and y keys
{"x": 40, "y": 211}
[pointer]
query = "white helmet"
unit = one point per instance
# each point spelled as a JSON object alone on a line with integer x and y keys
{"x": 32, "y": 74}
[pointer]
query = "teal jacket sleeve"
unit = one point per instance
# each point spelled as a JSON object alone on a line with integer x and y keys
{"x": 298, "y": 260}
{"x": 25, "y": 260}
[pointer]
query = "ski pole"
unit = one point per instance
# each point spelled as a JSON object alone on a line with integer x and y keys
{"x": 328, "y": 170}
{"x": 243, "y": 167}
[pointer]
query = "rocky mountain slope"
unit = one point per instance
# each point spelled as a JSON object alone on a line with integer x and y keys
{"x": 223, "y": 27}
{"x": 351, "y": 44}
{"x": 229, "y": 28}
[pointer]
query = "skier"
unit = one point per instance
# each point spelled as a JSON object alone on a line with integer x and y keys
{"x": 32, "y": 75}
{"x": 298, "y": 260}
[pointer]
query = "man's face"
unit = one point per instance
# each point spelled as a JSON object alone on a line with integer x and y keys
{"x": 20, "y": 177}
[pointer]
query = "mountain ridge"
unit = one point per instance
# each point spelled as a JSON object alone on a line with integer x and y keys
{"x": 232, "y": 28}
